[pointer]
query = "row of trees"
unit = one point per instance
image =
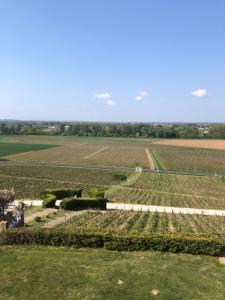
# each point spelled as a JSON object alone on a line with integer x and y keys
{"x": 112, "y": 130}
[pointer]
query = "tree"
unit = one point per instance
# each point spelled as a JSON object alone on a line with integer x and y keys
{"x": 6, "y": 198}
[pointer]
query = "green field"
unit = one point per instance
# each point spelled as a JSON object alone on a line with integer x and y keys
{"x": 148, "y": 222}
{"x": 13, "y": 148}
{"x": 57, "y": 273}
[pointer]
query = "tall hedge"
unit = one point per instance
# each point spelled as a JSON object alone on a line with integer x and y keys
{"x": 49, "y": 201}
{"x": 50, "y": 196}
{"x": 119, "y": 241}
{"x": 84, "y": 203}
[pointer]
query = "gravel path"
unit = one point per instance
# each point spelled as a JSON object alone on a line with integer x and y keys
{"x": 43, "y": 213}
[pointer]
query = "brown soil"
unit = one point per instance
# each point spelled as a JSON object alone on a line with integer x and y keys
{"x": 211, "y": 144}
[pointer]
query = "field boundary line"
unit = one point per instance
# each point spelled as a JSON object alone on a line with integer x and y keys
{"x": 151, "y": 161}
{"x": 95, "y": 153}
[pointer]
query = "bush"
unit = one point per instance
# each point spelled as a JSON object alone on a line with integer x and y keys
{"x": 84, "y": 203}
{"x": 37, "y": 219}
{"x": 49, "y": 201}
{"x": 119, "y": 241}
{"x": 50, "y": 196}
{"x": 95, "y": 193}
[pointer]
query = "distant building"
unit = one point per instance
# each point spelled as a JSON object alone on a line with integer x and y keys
{"x": 66, "y": 127}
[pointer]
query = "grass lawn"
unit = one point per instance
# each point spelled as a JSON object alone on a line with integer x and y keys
{"x": 58, "y": 273}
{"x": 11, "y": 148}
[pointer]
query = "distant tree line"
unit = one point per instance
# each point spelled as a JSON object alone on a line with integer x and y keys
{"x": 113, "y": 129}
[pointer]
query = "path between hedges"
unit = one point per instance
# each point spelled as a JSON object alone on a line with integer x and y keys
{"x": 42, "y": 213}
{"x": 62, "y": 219}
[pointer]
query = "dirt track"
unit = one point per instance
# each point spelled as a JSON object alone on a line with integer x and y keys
{"x": 150, "y": 159}
{"x": 95, "y": 153}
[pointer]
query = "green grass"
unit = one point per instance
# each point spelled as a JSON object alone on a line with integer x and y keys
{"x": 7, "y": 149}
{"x": 56, "y": 273}
{"x": 158, "y": 161}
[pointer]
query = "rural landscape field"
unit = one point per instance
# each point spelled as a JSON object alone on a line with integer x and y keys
{"x": 112, "y": 150}
{"x": 35, "y": 163}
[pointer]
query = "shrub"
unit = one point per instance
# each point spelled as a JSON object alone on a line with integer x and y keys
{"x": 95, "y": 193}
{"x": 49, "y": 201}
{"x": 50, "y": 196}
{"x": 37, "y": 219}
{"x": 119, "y": 241}
{"x": 84, "y": 203}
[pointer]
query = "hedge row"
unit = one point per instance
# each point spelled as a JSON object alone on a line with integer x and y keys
{"x": 49, "y": 200}
{"x": 84, "y": 203}
{"x": 120, "y": 241}
{"x": 50, "y": 196}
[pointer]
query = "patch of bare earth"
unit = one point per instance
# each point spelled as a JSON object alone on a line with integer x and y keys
{"x": 222, "y": 260}
{"x": 210, "y": 144}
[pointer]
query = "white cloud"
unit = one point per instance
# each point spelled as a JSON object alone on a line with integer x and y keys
{"x": 106, "y": 97}
{"x": 139, "y": 98}
{"x": 110, "y": 102}
{"x": 103, "y": 96}
{"x": 199, "y": 93}
{"x": 143, "y": 94}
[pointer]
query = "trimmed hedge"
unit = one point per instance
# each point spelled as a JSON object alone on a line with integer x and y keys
{"x": 119, "y": 241}
{"x": 50, "y": 196}
{"x": 84, "y": 203}
{"x": 95, "y": 193}
{"x": 49, "y": 201}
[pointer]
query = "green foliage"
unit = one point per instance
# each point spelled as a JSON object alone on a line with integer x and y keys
{"x": 50, "y": 196}
{"x": 95, "y": 193}
{"x": 84, "y": 203}
{"x": 49, "y": 200}
{"x": 192, "y": 244}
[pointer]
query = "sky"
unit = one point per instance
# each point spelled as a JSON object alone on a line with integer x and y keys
{"x": 113, "y": 60}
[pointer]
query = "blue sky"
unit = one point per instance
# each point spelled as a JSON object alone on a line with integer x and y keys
{"x": 113, "y": 60}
